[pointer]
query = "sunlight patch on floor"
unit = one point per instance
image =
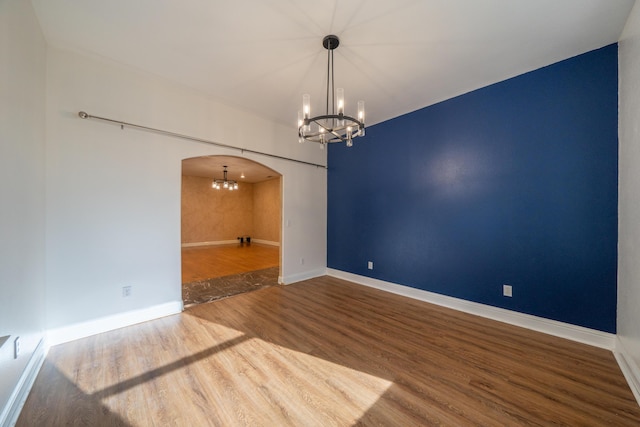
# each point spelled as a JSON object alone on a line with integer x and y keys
{"x": 240, "y": 380}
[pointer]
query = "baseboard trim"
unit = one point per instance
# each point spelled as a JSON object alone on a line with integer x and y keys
{"x": 11, "y": 412}
{"x": 228, "y": 242}
{"x": 629, "y": 368}
{"x": 265, "y": 242}
{"x": 215, "y": 243}
{"x": 552, "y": 327}
{"x": 109, "y": 323}
{"x": 294, "y": 278}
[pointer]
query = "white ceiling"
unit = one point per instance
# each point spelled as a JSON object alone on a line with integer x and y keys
{"x": 398, "y": 56}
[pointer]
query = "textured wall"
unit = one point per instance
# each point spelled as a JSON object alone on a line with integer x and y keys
{"x": 267, "y": 202}
{"x": 515, "y": 183}
{"x": 210, "y": 215}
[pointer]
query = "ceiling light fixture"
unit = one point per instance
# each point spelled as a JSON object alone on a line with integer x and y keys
{"x": 225, "y": 183}
{"x": 334, "y": 127}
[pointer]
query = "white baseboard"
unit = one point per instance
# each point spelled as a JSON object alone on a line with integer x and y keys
{"x": 109, "y": 323}
{"x": 11, "y": 412}
{"x": 293, "y": 278}
{"x": 552, "y": 327}
{"x": 228, "y": 242}
{"x": 217, "y": 242}
{"x": 265, "y": 242}
{"x": 629, "y": 368}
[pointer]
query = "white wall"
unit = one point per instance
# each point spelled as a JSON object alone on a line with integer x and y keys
{"x": 22, "y": 211}
{"x": 629, "y": 193}
{"x": 113, "y": 196}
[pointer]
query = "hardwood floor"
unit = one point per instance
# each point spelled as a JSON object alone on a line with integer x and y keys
{"x": 206, "y": 262}
{"x": 326, "y": 352}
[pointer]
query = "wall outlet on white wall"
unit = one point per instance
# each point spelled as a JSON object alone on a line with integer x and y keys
{"x": 16, "y": 347}
{"x": 126, "y": 291}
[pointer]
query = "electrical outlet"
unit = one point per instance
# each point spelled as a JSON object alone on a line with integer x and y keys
{"x": 126, "y": 291}
{"x": 370, "y": 265}
{"x": 507, "y": 290}
{"x": 16, "y": 347}
{"x": 301, "y": 261}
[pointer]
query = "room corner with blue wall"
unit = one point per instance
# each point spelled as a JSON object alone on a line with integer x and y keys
{"x": 515, "y": 183}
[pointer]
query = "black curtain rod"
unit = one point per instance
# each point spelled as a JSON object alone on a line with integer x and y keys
{"x": 122, "y": 124}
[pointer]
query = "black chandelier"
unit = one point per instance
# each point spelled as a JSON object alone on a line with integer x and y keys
{"x": 225, "y": 183}
{"x": 334, "y": 127}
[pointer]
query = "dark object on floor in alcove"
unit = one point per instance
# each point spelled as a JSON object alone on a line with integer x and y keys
{"x": 242, "y": 239}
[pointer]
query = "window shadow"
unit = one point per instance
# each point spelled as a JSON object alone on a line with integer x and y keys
{"x": 72, "y": 406}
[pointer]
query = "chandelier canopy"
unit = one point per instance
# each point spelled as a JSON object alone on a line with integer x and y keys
{"x": 225, "y": 183}
{"x": 334, "y": 127}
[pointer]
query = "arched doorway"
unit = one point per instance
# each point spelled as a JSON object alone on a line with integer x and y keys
{"x": 230, "y": 238}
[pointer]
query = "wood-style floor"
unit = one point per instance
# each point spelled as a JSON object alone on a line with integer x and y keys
{"x": 326, "y": 352}
{"x": 207, "y": 262}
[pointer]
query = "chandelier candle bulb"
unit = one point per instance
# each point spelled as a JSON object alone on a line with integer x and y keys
{"x": 361, "y": 111}
{"x": 340, "y": 105}
{"x": 306, "y": 105}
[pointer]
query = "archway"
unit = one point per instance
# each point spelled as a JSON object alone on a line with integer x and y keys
{"x": 231, "y": 239}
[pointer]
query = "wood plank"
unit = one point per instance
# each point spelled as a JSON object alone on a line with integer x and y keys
{"x": 207, "y": 262}
{"x": 328, "y": 352}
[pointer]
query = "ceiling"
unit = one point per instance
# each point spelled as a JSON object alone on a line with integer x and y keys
{"x": 212, "y": 167}
{"x": 398, "y": 56}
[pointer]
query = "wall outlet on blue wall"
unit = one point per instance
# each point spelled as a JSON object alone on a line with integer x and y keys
{"x": 370, "y": 265}
{"x": 507, "y": 290}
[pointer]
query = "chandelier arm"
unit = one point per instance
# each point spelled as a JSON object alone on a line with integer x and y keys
{"x": 332, "y": 131}
{"x": 337, "y": 135}
{"x": 335, "y": 132}
{"x": 333, "y": 116}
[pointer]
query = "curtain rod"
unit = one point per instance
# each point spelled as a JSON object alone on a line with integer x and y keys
{"x": 122, "y": 124}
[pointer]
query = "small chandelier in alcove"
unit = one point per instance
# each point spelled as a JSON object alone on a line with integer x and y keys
{"x": 334, "y": 127}
{"x": 229, "y": 184}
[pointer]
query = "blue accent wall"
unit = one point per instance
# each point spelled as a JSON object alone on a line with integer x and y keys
{"x": 515, "y": 183}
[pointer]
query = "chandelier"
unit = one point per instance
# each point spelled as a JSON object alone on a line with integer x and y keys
{"x": 225, "y": 183}
{"x": 334, "y": 127}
